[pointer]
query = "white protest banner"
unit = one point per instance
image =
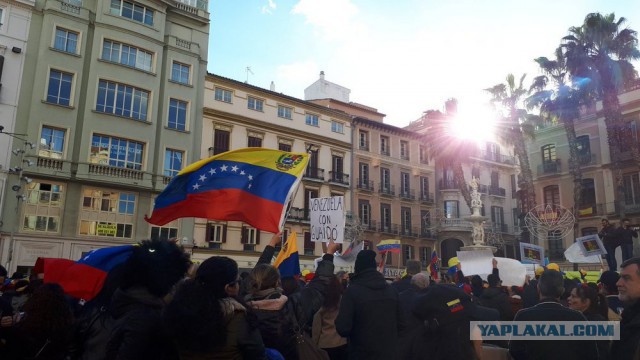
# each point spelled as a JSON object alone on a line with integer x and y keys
{"x": 575, "y": 255}
{"x": 531, "y": 254}
{"x": 475, "y": 262}
{"x": 512, "y": 272}
{"x": 591, "y": 245}
{"x": 327, "y": 219}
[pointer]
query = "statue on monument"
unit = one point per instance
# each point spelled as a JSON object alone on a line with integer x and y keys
{"x": 478, "y": 233}
{"x": 476, "y": 202}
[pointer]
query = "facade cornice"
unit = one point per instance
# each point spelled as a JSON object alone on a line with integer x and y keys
{"x": 385, "y": 128}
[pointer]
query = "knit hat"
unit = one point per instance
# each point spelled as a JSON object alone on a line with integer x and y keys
{"x": 609, "y": 279}
{"x": 366, "y": 259}
{"x": 413, "y": 267}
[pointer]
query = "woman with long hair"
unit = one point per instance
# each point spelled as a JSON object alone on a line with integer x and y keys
{"x": 593, "y": 305}
{"x": 324, "y": 323}
{"x": 206, "y": 320}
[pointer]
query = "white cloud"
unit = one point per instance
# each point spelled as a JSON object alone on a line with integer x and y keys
{"x": 332, "y": 18}
{"x": 268, "y": 9}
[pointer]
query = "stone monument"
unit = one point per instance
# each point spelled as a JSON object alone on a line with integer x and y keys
{"x": 477, "y": 221}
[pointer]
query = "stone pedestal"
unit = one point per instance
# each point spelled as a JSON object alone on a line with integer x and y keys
{"x": 479, "y": 248}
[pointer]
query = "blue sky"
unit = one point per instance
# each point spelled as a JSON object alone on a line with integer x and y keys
{"x": 400, "y": 56}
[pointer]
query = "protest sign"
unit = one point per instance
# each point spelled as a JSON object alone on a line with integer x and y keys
{"x": 327, "y": 219}
{"x": 591, "y": 245}
{"x": 531, "y": 254}
{"x": 575, "y": 255}
{"x": 475, "y": 262}
{"x": 512, "y": 272}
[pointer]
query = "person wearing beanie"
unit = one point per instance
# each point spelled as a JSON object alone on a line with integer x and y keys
{"x": 608, "y": 288}
{"x": 370, "y": 316}
{"x": 413, "y": 267}
{"x": 205, "y": 320}
{"x": 149, "y": 275}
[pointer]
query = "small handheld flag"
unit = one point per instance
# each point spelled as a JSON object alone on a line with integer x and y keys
{"x": 252, "y": 185}
{"x": 389, "y": 246}
{"x": 434, "y": 265}
{"x": 288, "y": 261}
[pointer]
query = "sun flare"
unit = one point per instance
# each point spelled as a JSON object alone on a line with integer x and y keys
{"x": 474, "y": 122}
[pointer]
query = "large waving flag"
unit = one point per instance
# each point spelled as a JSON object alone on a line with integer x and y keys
{"x": 390, "y": 245}
{"x": 287, "y": 261}
{"x": 251, "y": 185}
{"x": 83, "y": 279}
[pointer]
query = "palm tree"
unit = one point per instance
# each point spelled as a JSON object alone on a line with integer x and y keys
{"x": 514, "y": 124}
{"x": 563, "y": 103}
{"x": 448, "y": 150}
{"x": 601, "y": 50}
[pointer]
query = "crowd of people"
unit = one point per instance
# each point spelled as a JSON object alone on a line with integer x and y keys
{"x": 613, "y": 237}
{"x": 159, "y": 305}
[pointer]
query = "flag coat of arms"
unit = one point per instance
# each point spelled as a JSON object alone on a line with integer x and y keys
{"x": 252, "y": 185}
{"x": 288, "y": 261}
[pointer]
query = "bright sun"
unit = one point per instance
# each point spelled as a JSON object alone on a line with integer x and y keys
{"x": 474, "y": 122}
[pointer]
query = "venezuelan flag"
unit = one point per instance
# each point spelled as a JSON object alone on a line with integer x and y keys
{"x": 252, "y": 185}
{"x": 389, "y": 246}
{"x": 288, "y": 262}
{"x": 83, "y": 279}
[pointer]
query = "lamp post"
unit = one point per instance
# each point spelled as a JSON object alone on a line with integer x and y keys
{"x": 19, "y": 189}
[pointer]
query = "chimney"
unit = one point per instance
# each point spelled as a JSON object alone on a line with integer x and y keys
{"x": 272, "y": 87}
{"x": 321, "y": 75}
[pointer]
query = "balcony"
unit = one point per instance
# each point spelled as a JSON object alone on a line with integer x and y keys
{"x": 497, "y": 157}
{"x": 314, "y": 174}
{"x": 407, "y": 194}
{"x": 428, "y": 233}
{"x": 447, "y": 185}
{"x": 503, "y": 228}
{"x": 455, "y": 223}
{"x": 409, "y": 231}
{"x": 198, "y": 4}
{"x": 365, "y": 185}
{"x": 49, "y": 163}
{"x": 385, "y": 152}
{"x": 549, "y": 167}
{"x": 339, "y": 178}
{"x": 298, "y": 214}
{"x": 427, "y": 198}
{"x": 587, "y": 159}
{"x": 387, "y": 190}
{"x": 497, "y": 191}
{"x": 113, "y": 171}
{"x": 391, "y": 229}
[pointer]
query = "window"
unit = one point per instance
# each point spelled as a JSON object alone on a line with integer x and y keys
{"x": 588, "y": 193}
{"x": 216, "y": 233}
{"x": 514, "y": 186}
{"x": 548, "y": 153}
{"x": 364, "y": 212}
{"x": 384, "y": 145}
{"x": 250, "y": 238}
{"x": 497, "y": 215}
{"x": 255, "y": 104}
{"x": 385, "y": 217}
{"x": 66, "y": 40}
{"x": 337, "y": 166}
{"x": 404, "y": 150}
{"x": 44, "y": 207}
{"x": 173, "y": 160}
{"x": 425, "y": 256}
{"x": 551, "y": 195}
{"x": 51, "y": 142}
{"x": 180, "y": 73}
{"x": 425, "y": 217}
{"x": 127, "y": 55}
{"x": 451, "y": 209}
{"x": 59, "y": 91}
{"x": 222, "y": 95}
{"x": 424, "y": 188}
{"x": 364, "y": 140}
{"x": 221, "y": 140}
{"x": 631, "y": 188}
{"x": 283, "y": 146}
{"x": 405, "y": 217}
{"x": 556, "y": 249}
{"x": 385, "y": 179}
{"x": 311, "y": 119}
{"x": 107, "y": 213}
{"x": 364, "y": 175}
{"x": 118, "y": 152}
{"x": 589, "y": 231}
{"x": 584, "y": 149}
{"x": 122, "y": 100}
{"x": 309, "y": 246}
{"x": 495, "y": 179}
{"x": 493, "y": 152}
{"x": 254, "y": 141}
{"x": 404, "y": 184}
{"x": 177, "y": 114}
{"x": 424, "y": 156}
{"x": 163, "y": 232}
{"x": 407, "y": 251}
{"x": 309, "y": 194}
{"x": 285, "y": 112}
{"x": 337, "y": 127}
{"x": 132, "y": 11}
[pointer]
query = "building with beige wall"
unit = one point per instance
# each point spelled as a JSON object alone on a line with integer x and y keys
{"x": 111, "y": 98}
{"x": 239, "y": 115}
{"x": 549, "y": 157}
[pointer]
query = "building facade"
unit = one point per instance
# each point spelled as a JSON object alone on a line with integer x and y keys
{"x": 238, "y": 115}
{"x": 112, "y": 100}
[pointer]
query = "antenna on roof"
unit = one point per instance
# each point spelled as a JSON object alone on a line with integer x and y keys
{"x": 248, "y": 71}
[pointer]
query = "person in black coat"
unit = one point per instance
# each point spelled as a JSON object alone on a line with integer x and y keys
{"x": 628, "y": 347}
{"x": 413, "y": 330}
{"x": 496, "y": 297}
{"x": 550, "y": 287}
{"x": 610, "y": 240}
{"x": 626, "y": 234}
{"x": 413, "y": 267}
{"x": 149, "y": 274}
{"x": 370, "y": 316}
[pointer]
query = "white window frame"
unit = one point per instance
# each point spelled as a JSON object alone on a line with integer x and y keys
{"x": 337, "y": 127}
{"x": 177, "y": 106}
{"x": 221, "y": 94}
{"x": 143, "y": 58}
{"x": 41, "y": 203}
{"x": 66, "y": 39}
{"x": 136, "y": 93}
{"x": 71, "y": 91}
{"x": 94, "y": 213}
{"x": 216, "y": 231}
{"x": 363, "y": 140}
{"x": 364, "y": 212}
{"x": 254, "y": 103}
{"x": 251, "y": 235}
{"x": 180, "y": 70}
{"x": 384, "y": 145}
{"x": 404, "y": 150}
{"x": 162, "y": 229}
{"x": 312, "y": 119}
{"x": 44, "y": 149}
{"x": 168, "y": 171}
{"x": 118, "y": 11}
{"x": 406, "y": 218}
{"x": 285, "y": 112}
